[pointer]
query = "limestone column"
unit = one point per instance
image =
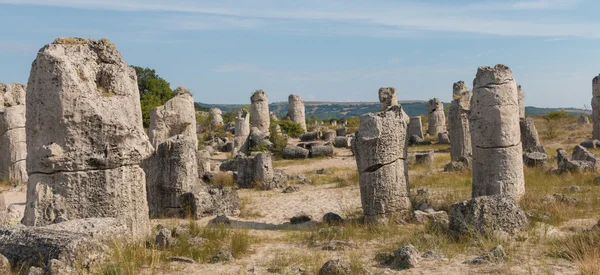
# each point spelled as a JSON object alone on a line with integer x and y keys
{"x": 596, "y": 107}
{"x": 521, "y": 101}
{"x": 259, "y": 111}
{"x": 415, "y": 127}
{"x": 296, "y": 110}
{"x": 437, "y": 118}
{"x": 495, "y": 134}
{"x": 216, "y": 118}
{"x": 458, "y": 120}
{"x": 388, "y": 97}
{"x": 13, "y": 145}
{"x": 381, "y": 153}
{"x": 242, "y": 132}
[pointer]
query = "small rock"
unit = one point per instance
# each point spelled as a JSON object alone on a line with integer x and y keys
{"x": 432, "y": 255}
{"x": 181, "y": 259}
{"x": 335, "y": 267}
{"x": 332, "y": 219}
{"x": 565, "y": 199}
{"x": 321, "y": 171}
{"x": 35, "y": 271}
{"x": 424, "y": 207}
{"x": 300, "y": 219}
{"x": 56, "y": 267}
{"x": 222, "y": 256}
{"x": 4, "y": 265}
{"x": 406, "y": 257}
{"x": 291, "y": 189}
{"x": 181, "y": 230}
{"x": 220, "y": 219}
{"x": 163, "y": 238}
{"x": 422, "y": 191}
{"x": 197, "y": 241}
{"x": 439, "y": 217}
{"x": 574, "y": 188}
{"x": 336, "y": 245}
{"x": 495, "y": 255}
{"x": 302, "y": 179}
{"x": 597, "y": 181}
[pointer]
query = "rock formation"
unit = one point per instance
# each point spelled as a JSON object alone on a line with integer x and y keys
{"x": 13, "y": 145}
{"x": 259, "y": 111}
{"x": 388, "y": 97}
{"x": 258, "y": 170}
{"x": 216, "y": 118}
{"x": 84, "y": 131}
{"x": 495, "y": 134}
{"x": 415, "y": 127}
{"x": 521, "y": 102}
{"x": 458, "y": 121}
{"x": 437, "y": 119}
{"x": 380, "y": 149}
{"x": 296, "y": 110}
{"x": 176, "y": 117}
{"x": 529, "y": 135}
{"x": 242, "y": 132}
{"x": 596, "y": 107}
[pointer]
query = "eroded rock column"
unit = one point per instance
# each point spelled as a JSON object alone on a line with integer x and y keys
{"x": 437, "y": 118}
{"x": 388, "y": 97}
{"x": 176, "y": 117}
{"x": 242, "y": 132}
{"x": 495, "y": 134}
{"x": 380, "y": 149}
{"x": 458, "y": 120}
{"x": 596, "y": 107}
{"x": 13, "y": 145}
{"x": 259, "y": 111}
{"x": 521, "y": 101}
{"x": 296, "y": 110}
{"x": 216, "y": 118}
{"x": 415, "y": 127}
{"x": 529, "y": 134}
{"x": 85, "y": 139}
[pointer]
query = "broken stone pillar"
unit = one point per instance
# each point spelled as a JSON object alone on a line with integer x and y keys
{"x": 296, "y": 110}
{"x": 216, "y": 118}
{"x": 176, "y": 117}
{"x": 521, "y": 102}
{"x": 242, "y": 133}
{"x": 85, "y": 139}
{"x": 259, "y": 111}
{"x": 596, "y": 107}
{"x": 529, "y": 135}
{"x": 437, "y": 118}
{"x": 415, "y": 127}
{"x": 458, "y": 120}
{"x": 388, "y": 97}
{"x": 495, "y": 134}
{"x": 381, "y": 153}
{"x": 329, "y": 135}
{"x": 173, "y": 172}
{"x": 13, "y": 145}
{"x": 257, "y": 170}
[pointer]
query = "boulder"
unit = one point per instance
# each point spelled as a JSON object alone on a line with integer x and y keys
{"x": 590, "y": 144}
{"x": 317, "y": 151}
{"x": 425, "y": 157}
{"x": 341, "y": 142}
{"x": 340, "y": 132}
{"x": 294, "y": 152}
{"x": 443, "y": 138}
{"x": 331, "y": 218}
{"x": 329, "y": 135}
{"x": 310, "y": 136}
{"x": 406, "y": 257}
{"x": 207, "y": 201}
{"x": 335, "y": 267}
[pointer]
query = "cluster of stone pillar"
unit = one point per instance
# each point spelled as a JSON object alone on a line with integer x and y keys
{"x": 495, "y": 134}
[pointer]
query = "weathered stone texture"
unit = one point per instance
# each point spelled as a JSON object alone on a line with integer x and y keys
{"x": 329, "y": 135}
{"x": 458, "y": 121}
{"x": 296, "y": 110}
{"x": 529, "y": 134}
{"x": 216, "y": 118}
{"x": 495, "y": 134}
{"x": 380, "y": 149}
{"x": 294, "y": 152}
{"x": 415, "y": 127}
{"x": 259, "y": 111}
{"x": 13, "y": 143}
{"x": 85, "y": 140}
{"x": 176, "y": 117}
{"x": 242, "y": 133}
{"x": 437, "y": 118}
{"x": 388, "y": 97}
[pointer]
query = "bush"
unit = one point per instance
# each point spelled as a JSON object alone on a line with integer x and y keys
{"x": 556, "y": 115}
{"x": 290, "y": 128}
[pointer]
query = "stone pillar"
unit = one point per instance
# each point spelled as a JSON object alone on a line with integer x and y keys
{"x": 242, "y": 132}
{"x": 415, "y": 127}
{"x": 529, "y": 135}
{"x": 273, "y": 116}
{"x": 176, "y": 117}
{"x": 437, "y": 118}
{"x": 257, "y": 169}
{"x": 388, "y": 97}
{"x": 381, "y": 154}
{"x": 13, "y": 145}
{"x": 85, "y": 139}
{"x": 296, "y": 110}
{"x": 495, "y": 134}
{"x": 259, "y": 111}
{"x": 521, "y": 102}
{"x": 458, "y": 120}
{"x": 216, "y": 119}
{"x": 596, "y": 107}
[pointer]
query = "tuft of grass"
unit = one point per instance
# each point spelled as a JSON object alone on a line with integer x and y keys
{"x": 283, "y": 260}
{"x": 246, "y": 212}
{"x": 583, "y": 249}
{"x": 224, "y": 179}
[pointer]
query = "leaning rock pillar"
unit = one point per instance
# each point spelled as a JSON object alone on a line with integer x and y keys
{"x": 380, "y": 149}
{"x": 495, "y": 134}
{"x": 458, "y": 120}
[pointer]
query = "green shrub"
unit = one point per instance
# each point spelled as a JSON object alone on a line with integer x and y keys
{"x": 556, "y": 115}
{"x": 290, "y": 128}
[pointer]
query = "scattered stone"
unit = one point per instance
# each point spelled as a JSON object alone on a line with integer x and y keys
{"x": 300, "y": 219}
{"x": 380, "y": 149}
{"x": 291, "y": 189}
{"x": 296, "y": 111}
{"x": 302, "y": 179}
{"x": 310, "y": 136}
{"x": 341, "y": 132}
{"x": 181, "y": 259}
{"x": 294, "y": 152}
{"x": 336, "y": 245}
{"x": 487, "y": 215}
{"x": 425, "y": 157}
{"x": 335, "y": 267}
{"x": 529, "y": 135}
{"x": 436, "y": 217}
{"x": 259, "y": 111}
{"x": 422, "y": 191}
{"x": 228, "y": 165}
{"x": 432, "y": 255}
{"x": 437, "y": 119}
{"x": 329, "y": 135}
{"x": 565, "y": 199}
{"x": 495, "y": 134}
{"x": 331, "y": 218}
{"x": 220, "y": 219}
{"x": 222, "y": 256}
{"x": 495, "y": 255}
{"x": 590, "y": 144}
{"x": 322, "y": 171}
{"x": 182, "y": 229}
{"x": 197, "y": 241}
{"x": 341, "y": 142}
{"x": 164, "y": 239}
{"x": 35, "y": 271}
{"x": 205, "y": 201}
{"x": 406, "y": 257}
{"x": 535, "y": 158}
{"x": 56, "y": 267}
{"x": 318, "y": 151}
{"x": 458, "y": 121}
{"x": 574, "y": 188}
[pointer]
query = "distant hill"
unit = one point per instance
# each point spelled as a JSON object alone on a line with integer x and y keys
{"x": 324, "y": 110}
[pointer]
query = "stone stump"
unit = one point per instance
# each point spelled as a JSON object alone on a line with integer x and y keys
{"x": 296, "y": 110}
{"x": 13, "y": 141}
{"x": 242, "y": 133}
{"x": 495, "y": 134}
{"x": 437, "y": 118}
{"x": 259, "y": 111}
{"x": 415, "y": 127}
{"x": 529, "y": 135}
{"x": 85, "y": 139}
{"x": 458, "y": 121}
{"x": 381, "y": 153}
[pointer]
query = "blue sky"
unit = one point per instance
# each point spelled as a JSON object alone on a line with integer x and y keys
{"x": 325, "y": 50}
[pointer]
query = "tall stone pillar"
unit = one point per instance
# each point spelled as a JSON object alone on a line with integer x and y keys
{"x": 242, "y": 132}
{"x": 259, "y": 111}
{"x": 296, "y": 110}
{"x": 596, "y": 107}
{"x": 13, "y": 141}
{"x": 458, "y": 120}
{"x": 437, "y": 119}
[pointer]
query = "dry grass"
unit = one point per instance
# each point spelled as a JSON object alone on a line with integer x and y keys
{"x": 246, "y": 212}
{"x": 583, "y": 249}
{"x": 294, "y": 162}
{"x": 224, "y": 179}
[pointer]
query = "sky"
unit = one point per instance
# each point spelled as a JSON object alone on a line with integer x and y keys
{"x": 325, "y": 50}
